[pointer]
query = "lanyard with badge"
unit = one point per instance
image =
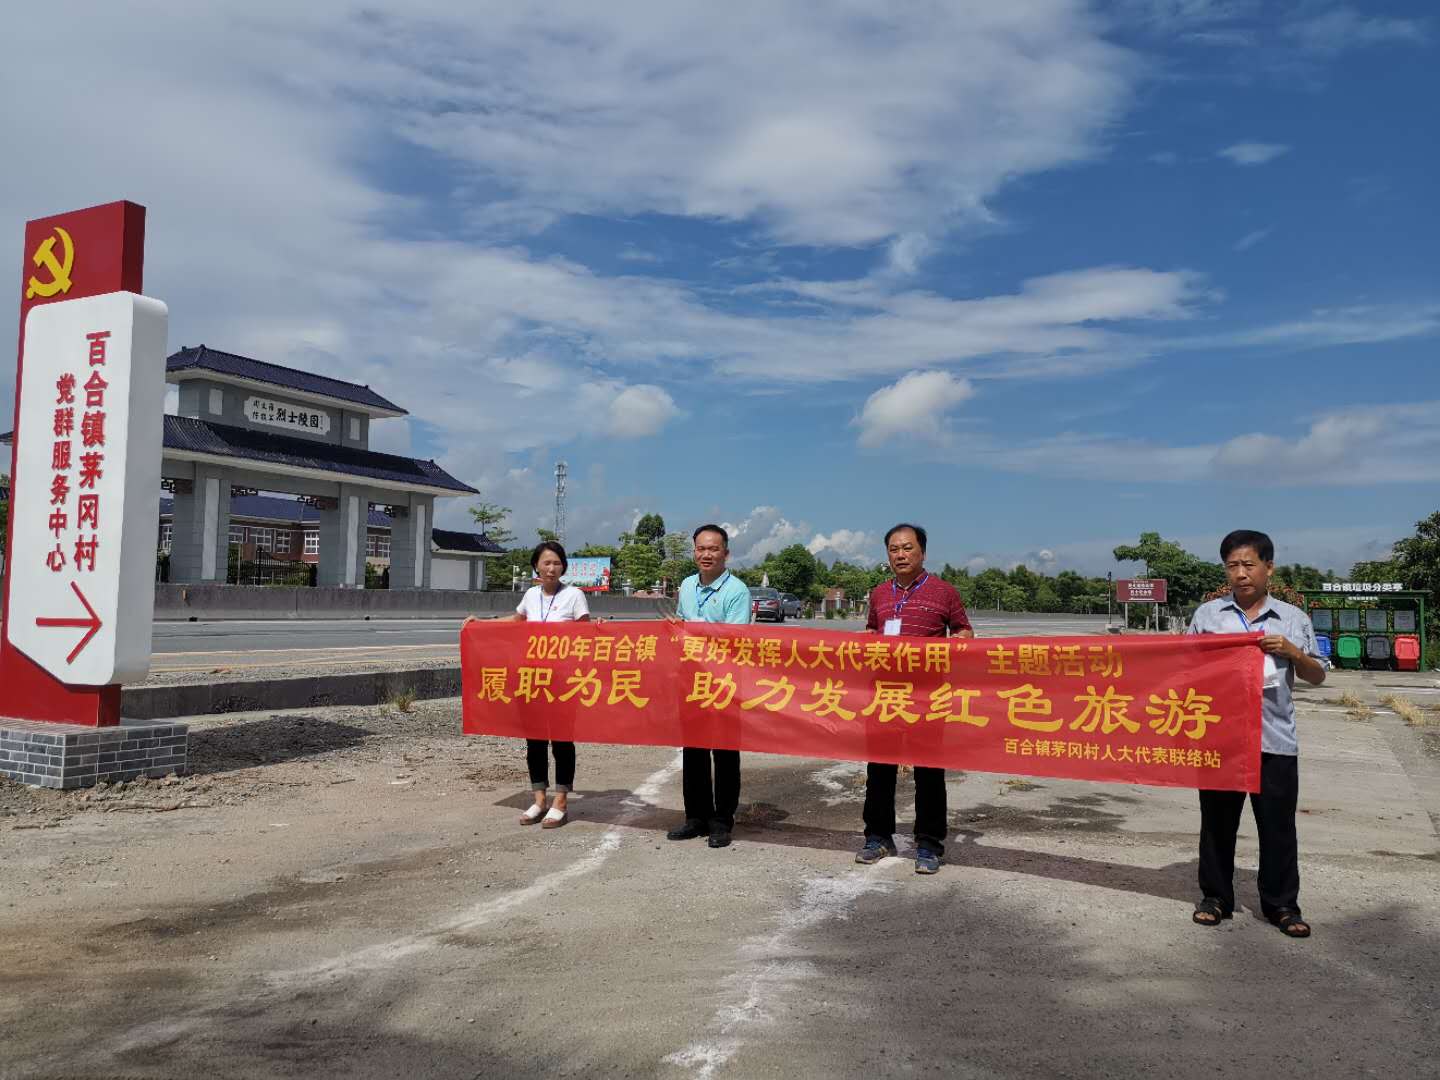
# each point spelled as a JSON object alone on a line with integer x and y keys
{"x": 1272, "y": 669}
{"x": 892, "y": 624}
{"x": 545, "y": 611}
{"x": 714, "y": 591}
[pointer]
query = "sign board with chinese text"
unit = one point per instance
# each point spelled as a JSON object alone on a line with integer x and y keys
{"x": 272, "y": 413}
{"x": 1140, "y": 590}
{"x": 1362, "y": 587}
{"x": 590, "y": 574}
{"x": 1173, "y": 711}
{"x": 87, "y": 487}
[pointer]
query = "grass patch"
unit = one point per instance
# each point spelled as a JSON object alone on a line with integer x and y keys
{"x": 1360, "y": 713}
{"x": 1410, "y": 712}
{"x": 403, "y": 700}
{"x": 1349, "y": 700}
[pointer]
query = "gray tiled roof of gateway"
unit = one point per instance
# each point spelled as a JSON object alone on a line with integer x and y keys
{"x": 224, "y": 440}
{"x": 243, "y": 367}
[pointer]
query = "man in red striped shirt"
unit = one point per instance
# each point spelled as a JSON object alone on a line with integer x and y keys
{"x": 913, "y": 602}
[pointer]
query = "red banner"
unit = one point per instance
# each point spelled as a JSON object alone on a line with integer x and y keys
{"x": 1165, "y": 711}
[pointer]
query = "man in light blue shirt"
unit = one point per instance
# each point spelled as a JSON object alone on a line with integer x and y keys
{"x": 1290, "y": 649}
{"x": 717, "y": 596}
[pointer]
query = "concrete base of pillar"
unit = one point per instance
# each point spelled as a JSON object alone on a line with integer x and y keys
{"x": 71, "y": 756}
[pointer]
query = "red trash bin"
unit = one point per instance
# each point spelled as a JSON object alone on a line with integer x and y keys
{"x": 1407, "y": 653}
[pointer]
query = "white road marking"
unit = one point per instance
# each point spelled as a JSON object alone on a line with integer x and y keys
{"x": 774, "y": 965}
{"x": 161, "y": 1032}
{"x": 383, "y": 956}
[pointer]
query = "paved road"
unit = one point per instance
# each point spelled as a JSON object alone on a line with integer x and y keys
{"x": 347, "y": 894}
{"x": 242, "y": 645}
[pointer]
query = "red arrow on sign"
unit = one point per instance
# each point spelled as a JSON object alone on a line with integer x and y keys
{"x": 92, "y": 623}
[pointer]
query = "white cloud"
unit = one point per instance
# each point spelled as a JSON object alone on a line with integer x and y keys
{"x": 848, "y": 545}
{"x": 1250, "y": 239}
{"x": 638, "y": 411}
{"x": 1326, "y": 327}
{"x": 1361, "y": 446}
{"x": 915, "y": 406}
{"x": 1344, "y": 28}
{"x": 1164, "y": 157}
{"x": 1367, "y": 445}
{"x": 762, "y": 532}
{"x": 746, "y": 112}
{"x": 1254, "y": 153}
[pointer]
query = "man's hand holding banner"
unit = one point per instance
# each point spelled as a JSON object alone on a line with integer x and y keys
{"x": 1163, "y": 711}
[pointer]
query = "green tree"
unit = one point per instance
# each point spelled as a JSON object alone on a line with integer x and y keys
{"x": 1415, "y": 562}
{"x": 1298, "y": 576}
{"x": 512, "y": 567}
{"x": 491, "y": 519}
{"x": 1028, "y": 582}
{"x": 650, "y": 529}
{"x": 676, "y": 547}
{"x": 1046, "y": 598}
{"x": 855, "y": 580}
{"x": 674, "y": 571}
{"x": 791, "y": 569}
{"x": 1418, "y": 557}
{"x": 1013, "y": 598}
{"x": 597, "y": 551}
{"x": 1376, "y": 570}
{"x": 989, "y": 586}
{"x": 1188, "y": 577}
{"x": 639, "y": 563}
{"x": 750, "y": 575}
{"x": 547, "y": 534}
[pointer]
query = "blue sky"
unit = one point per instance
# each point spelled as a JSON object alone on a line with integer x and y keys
{"x": 1040, "y": 275}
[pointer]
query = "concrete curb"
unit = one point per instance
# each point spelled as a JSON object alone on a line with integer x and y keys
{"x": 195, "y": 603}
{"x": 358, "y": 688}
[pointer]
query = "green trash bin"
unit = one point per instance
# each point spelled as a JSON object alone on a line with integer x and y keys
{"x": 1349, "y": 651}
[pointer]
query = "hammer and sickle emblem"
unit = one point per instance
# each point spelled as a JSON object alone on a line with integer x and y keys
{"x": 44, "y": 258}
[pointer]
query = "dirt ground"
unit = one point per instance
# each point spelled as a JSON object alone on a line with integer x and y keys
{"x": 346, "y": 893}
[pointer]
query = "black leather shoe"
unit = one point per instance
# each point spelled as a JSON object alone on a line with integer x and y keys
{"x": 689, "y": 831}
{"x": 719, "y": 836}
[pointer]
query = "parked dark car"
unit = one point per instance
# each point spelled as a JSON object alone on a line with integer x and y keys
{"x": 765, "y": 605}
{"x": 791, "y": 606}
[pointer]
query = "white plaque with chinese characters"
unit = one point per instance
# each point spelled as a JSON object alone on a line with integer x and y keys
{"x": 273, "y": 413}
{"x": 87, "y": 487}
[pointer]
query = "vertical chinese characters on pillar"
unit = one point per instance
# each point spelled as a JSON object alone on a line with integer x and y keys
{"x": 61, "y": 458}
{"x": 92, "y": 454}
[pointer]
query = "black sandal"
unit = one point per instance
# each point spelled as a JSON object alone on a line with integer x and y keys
{"x": 1210, "y": 912}
{"x": 1291, "y": 924}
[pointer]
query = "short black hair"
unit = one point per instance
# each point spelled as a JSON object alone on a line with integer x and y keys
{"x": 549, "y": 545}
{"x": 920, "y": 534}
{"x": 1263, "y": 545}
{"x": 724, "y": 536}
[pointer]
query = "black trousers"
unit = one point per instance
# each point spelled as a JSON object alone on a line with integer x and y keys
{"x": 539, "y": 764}
{"x": 1274, "y": 807}
{"x": 713, "y": 804}
{"x": 930, "y": 813}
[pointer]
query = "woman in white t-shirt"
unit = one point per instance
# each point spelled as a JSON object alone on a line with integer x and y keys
{"x": 550, "y": 601}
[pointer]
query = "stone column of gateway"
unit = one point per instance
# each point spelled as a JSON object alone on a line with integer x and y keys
{"x": 246, "y": 425}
